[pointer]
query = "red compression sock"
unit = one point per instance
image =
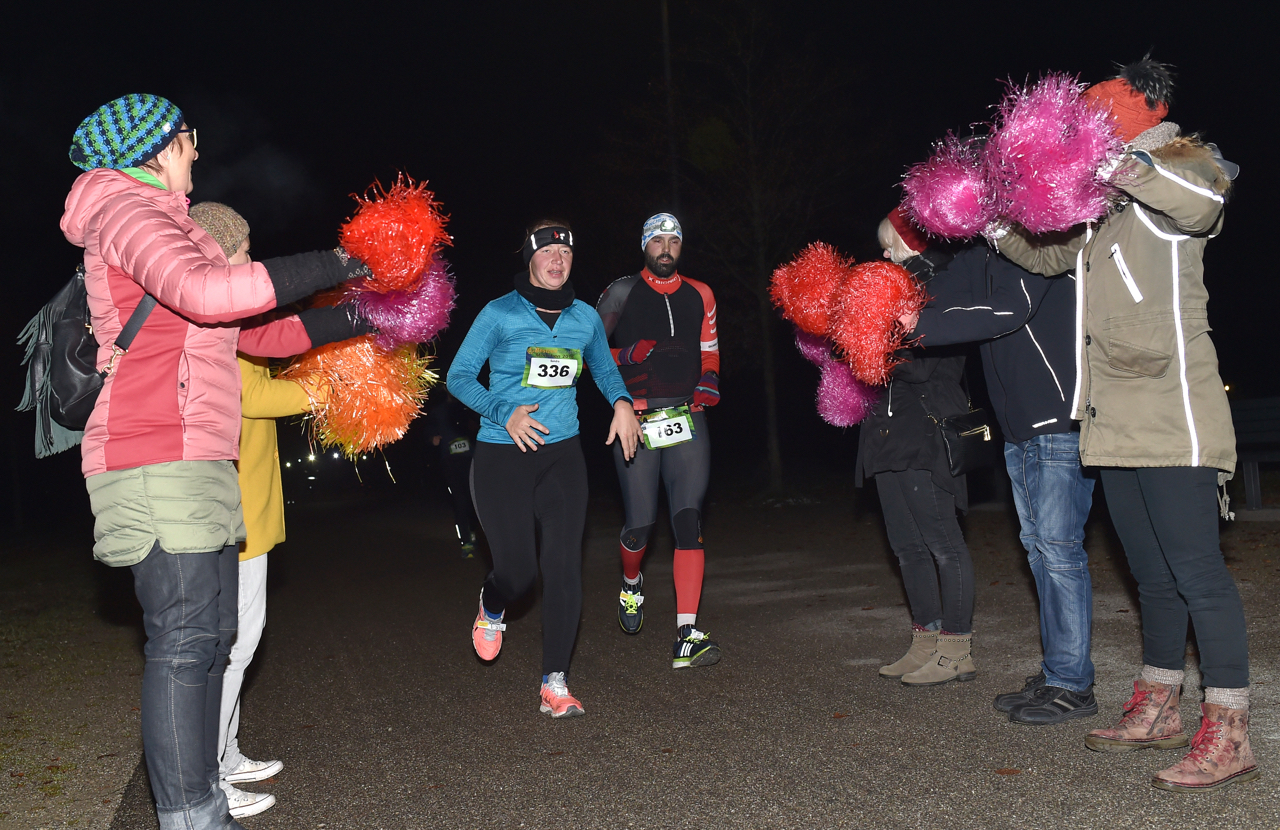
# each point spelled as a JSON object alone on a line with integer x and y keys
{"x": 631, "y": 561}
{"x": 687, "y": 571}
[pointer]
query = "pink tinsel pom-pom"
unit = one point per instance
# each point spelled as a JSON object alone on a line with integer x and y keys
{"x": 815, "y": 348}
{"x": 803, "y": 288}
{"x": 843, "y": 400}
{"x": 413, "y": 316}
{"x": 865, "y": 317}
{"x": 1043, "y": 158}
{"x": 949, "y": 195}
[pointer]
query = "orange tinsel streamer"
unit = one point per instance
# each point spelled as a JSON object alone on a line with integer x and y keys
{"x": 395, "y": 232}
{"x": 804, "y": 287}
{"x": 367, "y": 395}
{"x": 864, "y": 317}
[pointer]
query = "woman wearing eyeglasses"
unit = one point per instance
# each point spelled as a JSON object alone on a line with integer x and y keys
{"x": 528, "y": 471}
{"x": 159, "y": 448}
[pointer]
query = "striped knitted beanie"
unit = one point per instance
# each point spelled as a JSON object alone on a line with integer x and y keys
{"x": 126, "y": 132}
{"x": 227, "y": 227}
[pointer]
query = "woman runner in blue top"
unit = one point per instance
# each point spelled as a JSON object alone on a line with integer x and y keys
{"x": 528, "y": 471}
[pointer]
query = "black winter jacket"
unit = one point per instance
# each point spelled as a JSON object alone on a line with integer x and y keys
{"x": 1026, "y": 325}
{"x": 898, "y": 434}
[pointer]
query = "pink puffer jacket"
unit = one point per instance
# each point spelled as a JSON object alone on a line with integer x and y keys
{"x": 176, "y": 395}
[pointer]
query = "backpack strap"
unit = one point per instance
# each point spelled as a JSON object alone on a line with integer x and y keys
{"x": 134, "y": 324}
{"x": 131, "y": 328}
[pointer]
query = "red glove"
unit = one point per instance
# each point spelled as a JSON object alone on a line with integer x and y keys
{"x": 707, "y": 392}
{"x": 637, "y": 352}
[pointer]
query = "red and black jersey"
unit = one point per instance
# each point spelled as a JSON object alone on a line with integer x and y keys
{"x": 679, "y": 314}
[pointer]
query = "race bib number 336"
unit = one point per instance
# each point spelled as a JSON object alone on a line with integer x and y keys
{"x": 549, "y": 368}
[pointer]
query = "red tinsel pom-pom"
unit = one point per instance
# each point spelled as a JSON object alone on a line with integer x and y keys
{"x": 803, "y": 288}
{"x": 395, "y": 232}
{"x": 864, "y": 317}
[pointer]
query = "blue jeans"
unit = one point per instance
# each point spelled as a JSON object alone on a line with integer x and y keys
{"x": 1053, "y": 497}
{"x": 189, "y": 613}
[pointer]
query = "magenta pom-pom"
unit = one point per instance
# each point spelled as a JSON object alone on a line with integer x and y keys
{"x": 1043, "y": 158}
{"x": 949, "y": 195}
{"x": 843, "y": 400}
{"x": 815, "y": 348}
{"x": 413, "y": 316}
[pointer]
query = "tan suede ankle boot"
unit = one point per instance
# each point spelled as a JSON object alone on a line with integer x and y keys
{"x": 951, "y": 661}
{"x": 1220, "y": 754}
{"x": 923, "y": 644}
{"x": 1150, "y": 721}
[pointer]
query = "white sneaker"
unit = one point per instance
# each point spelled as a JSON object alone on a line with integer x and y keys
{"x": 246, "y": 804}
{"x": 249, "y": 770}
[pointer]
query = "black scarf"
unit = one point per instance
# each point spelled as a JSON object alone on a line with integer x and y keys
{"x": 543, "y": 297}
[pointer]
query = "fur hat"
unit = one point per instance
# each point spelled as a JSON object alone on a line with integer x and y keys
{"x": 1138, "y": 98}
{"x": 126, "y": 132}
{"x": 227, "y": 227}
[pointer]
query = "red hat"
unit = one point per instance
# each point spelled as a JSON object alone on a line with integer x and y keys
{"x": 1128, "y": 107}
{"x": 911, "y": 236}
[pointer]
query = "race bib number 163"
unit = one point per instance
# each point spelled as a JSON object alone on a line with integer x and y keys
{"x": 550, "y": 368}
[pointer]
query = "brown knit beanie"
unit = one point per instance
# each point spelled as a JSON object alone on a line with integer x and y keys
{"x": 227, "y": 227}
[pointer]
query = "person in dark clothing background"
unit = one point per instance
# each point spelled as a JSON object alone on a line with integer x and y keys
{"x": 453, "y": 430}
{"x": 900, "y": 446}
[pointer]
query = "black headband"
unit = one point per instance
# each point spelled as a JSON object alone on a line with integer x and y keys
{"x": 542, "y": 237}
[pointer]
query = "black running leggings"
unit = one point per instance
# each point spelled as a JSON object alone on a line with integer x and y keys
{"x": 685, "y": 469}
{"x": 520, "y": 496}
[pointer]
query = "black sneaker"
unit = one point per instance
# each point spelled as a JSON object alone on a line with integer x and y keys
{"x": 1054, "y": 704}
{"x": 630, "y": 606}
{"x": 694, "y": 648}
{"x": 1007, "y": 701}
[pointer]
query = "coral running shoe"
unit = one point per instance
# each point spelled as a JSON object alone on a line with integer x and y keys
{"x": 694, "y": 648}
{"x": 486, "y": 634}
{"x": 630, "y": 612}
{"x": 556, "y": 700}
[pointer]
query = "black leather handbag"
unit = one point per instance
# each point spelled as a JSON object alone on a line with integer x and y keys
{"x": 63, "y": 380}
{"x": 969, "y": 440}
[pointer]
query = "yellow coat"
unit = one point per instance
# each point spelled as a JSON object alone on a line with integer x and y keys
{"x": 262, "y": 400}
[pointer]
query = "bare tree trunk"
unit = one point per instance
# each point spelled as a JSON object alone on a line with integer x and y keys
{"x": 770, "y": 378}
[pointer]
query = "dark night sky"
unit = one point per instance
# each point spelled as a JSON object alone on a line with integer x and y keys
{"x": 503, "y": 107}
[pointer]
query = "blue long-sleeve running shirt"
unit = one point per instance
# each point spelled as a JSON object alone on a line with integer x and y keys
{"x": 529, "y": 363}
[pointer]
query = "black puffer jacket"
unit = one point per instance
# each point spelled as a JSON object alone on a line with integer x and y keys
{"x": 898, "y": 434}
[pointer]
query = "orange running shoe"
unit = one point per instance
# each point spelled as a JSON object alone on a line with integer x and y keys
{"x": 556, "y": 700}
{"x": 486, "y": 634}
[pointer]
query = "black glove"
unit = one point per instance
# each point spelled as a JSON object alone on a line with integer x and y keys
{"x": 330, "y": 325}
{"x": 302, "y": 275}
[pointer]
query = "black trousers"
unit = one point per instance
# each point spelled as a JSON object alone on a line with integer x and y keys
{"x": 1167, "y": 519}
{"x": 937, "y": 571}
{"x": 521, "y": 496}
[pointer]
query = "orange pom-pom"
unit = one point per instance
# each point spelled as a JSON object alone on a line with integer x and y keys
{"x": 864, "y": 317}
{"x": 396, "y": 232}
{"x": 803, "y": 288}
{"x": 373, "y": 393}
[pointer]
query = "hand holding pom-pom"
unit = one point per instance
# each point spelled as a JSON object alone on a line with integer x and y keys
{"x": 803, "y": 288}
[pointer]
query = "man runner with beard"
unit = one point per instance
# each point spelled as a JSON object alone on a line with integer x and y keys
{"x": 662, "y": 332}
